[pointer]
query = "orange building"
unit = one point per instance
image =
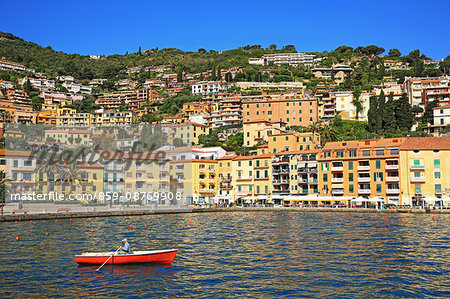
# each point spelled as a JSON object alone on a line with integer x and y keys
{"x": 47, "y": 117}
{"x": 16, "y": 113}
{"x": 293, "y": 141}
{"x": 361, "y": 170}
{"x": 294, "y": 110}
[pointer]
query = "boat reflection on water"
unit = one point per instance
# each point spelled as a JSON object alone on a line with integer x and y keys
{"x": 88, "y": 272}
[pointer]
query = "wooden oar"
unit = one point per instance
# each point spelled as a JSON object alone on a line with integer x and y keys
{"x": 108, "y": 259}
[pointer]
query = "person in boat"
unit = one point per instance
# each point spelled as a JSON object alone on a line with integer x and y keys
{"x": 125, "y": 248}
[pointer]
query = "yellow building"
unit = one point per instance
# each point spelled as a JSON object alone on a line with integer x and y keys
{"x": 293, "y": 142}
{"x": 144, "y": 173}
{"x": 205, "y": 181}
{"x": 111, "y": 118}
{"x": 74, "y": 120}
{"x": 262, "y": 168}
{"x": 83, "y": 182}
{"x": 425, "y": 171}
{"x": 242, "y": 179}
{"x": 225, "y": 171}
{"x": 187, "y": 133}
{"x": 260, "y": 131}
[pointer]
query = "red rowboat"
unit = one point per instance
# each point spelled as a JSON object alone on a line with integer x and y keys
{"x": 155, "y": 256}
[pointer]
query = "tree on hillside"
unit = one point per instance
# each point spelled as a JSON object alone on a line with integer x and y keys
{"x": 219, "y": 74}
{"x": 380, "y": 112}
{"x": 395, "y": 53}
{"x": 289, "y": 48}
{"x": 201, "y": 50}
{"x": 403, "y": 113}
{"x": 389, "y": 122}
{"x": 357, "y": 103}
{"x": 372, "y": 114}
{"x": 428, "y": 114}
{"x": 228, "y": 77}
{"x": 272, "y": 47}
{"x": 213, "y": 73}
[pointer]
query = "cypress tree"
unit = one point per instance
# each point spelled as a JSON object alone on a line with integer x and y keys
{"x": 213, "y": 73}
{"x": 428, "y": 114}
{"x": 219, "y": 74}
{"x": 403, "y": 113}
{"x": 380, "y": 112}
{"x": 372, "y": 114}
{"x": 389, "y": 122}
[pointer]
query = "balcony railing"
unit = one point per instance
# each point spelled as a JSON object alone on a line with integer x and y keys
{"x": 392, "y": 179}
{"x": 364, "y": 191}
{"x": 337, "y": 168}
{"x": 337, "y": 191}
{"x": 363, "y": 167}
{"x": 363, "y": 179}
{"x": 392, "y": 191}
{"x": 417, "y": 167}
{"x": 417, "y": 179}
{"x": 392, "y": 166}
{"x": 337, "y": 180}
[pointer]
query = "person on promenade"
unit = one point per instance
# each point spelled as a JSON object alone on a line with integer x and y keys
{"x": 125, "y": 248}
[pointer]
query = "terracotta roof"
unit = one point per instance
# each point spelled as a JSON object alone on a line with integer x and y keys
{"x": 204, "y": 161}
{"x": 229, "y": 157}
{"x": 426, "y": 143}
{"x": 243, "y": 158}
{"x": 298, "y": 152}
{"x": 266, "y": 155}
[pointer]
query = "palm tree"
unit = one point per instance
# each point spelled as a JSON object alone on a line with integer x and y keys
{"x": 49, "y": 167}
{"x": 327, "y": 133}
{"x": 73, "y": 174}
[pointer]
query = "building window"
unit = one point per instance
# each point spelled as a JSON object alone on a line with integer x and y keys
{"x": 394, "y": 151}
{"x": 437, "y": 174}
{"x": 350, "y": 165}
{"x": 378, "y": 188}
{"x": 16, "y": 163}
{"x": 437, "y": 188}
{"x": 352, "y": 153}
{"x": 378, "y": 164}
{"x": 437, "y": 163}
{"x": 351, "y": 188}
{"x": 418, "y": 189}
{"x": 378, "y": 177}
{"x": 27, "y": 163}
{"x": 325, "y": 177}
{"x": 350, "y": 177}
{"x": 379, "y": 152}
{"x": 366, "y": 153}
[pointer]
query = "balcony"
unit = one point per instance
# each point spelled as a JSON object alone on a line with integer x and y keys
{"x": 392, "y": 179}
{"x": 337, "y": 180}
{"x": 226, "y": 180}
{"x": 281, "y": 171}
{"x": 281, "y": 191}
{"x": 363, "y": 167}
{"x": 392, "y": 167}
{"x": 363, "y": 179}
{"x": 417, "y": 167}
{"x": 280, "y": 162}
{"x": 417, "y": 179}
{"x": 364, "y": 191}
{"x": 438, "y": 192}
{"x": 392, "y": 191}
{"x": 337, "y": 168}
{"x": 280, "y": 182}
{"x": 337, "y": 191}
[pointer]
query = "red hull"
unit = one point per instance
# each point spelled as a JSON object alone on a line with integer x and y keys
{"x": 159, "y": 256}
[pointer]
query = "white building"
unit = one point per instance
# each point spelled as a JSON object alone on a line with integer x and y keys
{"x": 284, "y": 58}
{"x": 441, "y": 116}
{"x": 345, "y": 107}
{"x": 208, "y": 87}
{"x": 38, "y": 82}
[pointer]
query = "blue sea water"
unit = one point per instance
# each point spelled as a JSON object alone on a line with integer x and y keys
{"x": 234, "y": 254}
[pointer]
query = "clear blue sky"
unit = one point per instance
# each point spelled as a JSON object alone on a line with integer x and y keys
{"x": 110, "y": 27}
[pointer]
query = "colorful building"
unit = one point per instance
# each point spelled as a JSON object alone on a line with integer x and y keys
{"x": 425, "y": 171}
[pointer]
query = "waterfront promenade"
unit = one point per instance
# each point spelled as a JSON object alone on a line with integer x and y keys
{"x": 43, "y": 211}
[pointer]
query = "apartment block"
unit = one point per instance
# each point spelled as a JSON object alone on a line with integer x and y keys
{"x": 293, "y": 141}
{"x": 425, "y": 171}
{"x": 111, "y": 118}
{"x": 441, "y": 94}
{"x": 204, "y": 181}
{"x": 415, "y": 86}
{"x": 13, "y": 113}
{"x": 18, "y": 97}
{"x": 361, "y": 169}
{"x": 292, "y": 109}
{"x": 12, "y": 66}
{"x": 285, "y": 58}
{"x": 208, "y": 87}
{"x": 260, "y": 131}
{"x": 280, "y": 86}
